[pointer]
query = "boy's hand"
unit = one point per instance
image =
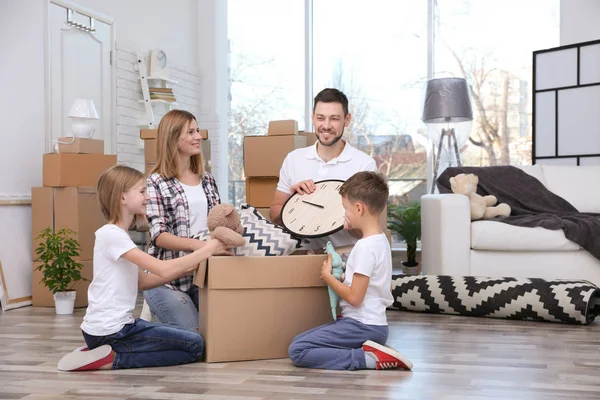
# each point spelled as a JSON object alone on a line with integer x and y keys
{"x": 347, "y": 224}
{"x": 327, "y": 268}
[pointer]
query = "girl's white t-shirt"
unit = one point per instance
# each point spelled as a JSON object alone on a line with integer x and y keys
{"x": 198, "y": 206}
{"x": 114, "y": 288}
{"x": 372, "y": 257}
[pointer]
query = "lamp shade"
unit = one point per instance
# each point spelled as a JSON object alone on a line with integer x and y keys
{"x": 447, "y": 100}
{"x": 83, "y": 108}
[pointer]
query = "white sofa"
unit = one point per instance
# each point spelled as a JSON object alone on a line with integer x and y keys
{"x": 453, "y": 245}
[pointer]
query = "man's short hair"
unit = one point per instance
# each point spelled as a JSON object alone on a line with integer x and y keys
{"x": 331, "y": 95}
{"x": 368, "y": 187}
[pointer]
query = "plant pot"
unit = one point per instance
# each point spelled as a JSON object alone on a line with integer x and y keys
{"x": 64, "y": 302}
{"x": 410, "y": 268}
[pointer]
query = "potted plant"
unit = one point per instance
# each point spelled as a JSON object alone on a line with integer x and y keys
{"x": 405, "y": 221}
{"x": 57, "y": 252}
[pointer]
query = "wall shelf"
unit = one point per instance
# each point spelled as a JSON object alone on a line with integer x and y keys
{"x": 168, "y": 80}
{"x": 172, "y": 103}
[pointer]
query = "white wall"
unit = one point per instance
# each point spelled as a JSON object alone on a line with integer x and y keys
{"x": 579, "y": 21}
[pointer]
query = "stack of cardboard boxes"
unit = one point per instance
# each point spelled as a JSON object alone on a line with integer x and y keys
{"x": 68, "y": 200}
{"x": 263, "y": 157}
{"x": 149, "y": 138}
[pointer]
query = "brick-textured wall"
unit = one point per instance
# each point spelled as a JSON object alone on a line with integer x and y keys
{"x": 131, "y": 113}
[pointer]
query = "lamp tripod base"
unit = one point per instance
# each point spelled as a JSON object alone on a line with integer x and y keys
{"x": 451, "y": 143}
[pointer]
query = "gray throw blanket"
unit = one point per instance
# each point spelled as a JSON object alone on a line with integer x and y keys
{"x": 532, "y": 204}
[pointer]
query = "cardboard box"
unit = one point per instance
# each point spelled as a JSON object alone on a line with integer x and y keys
{"x": 283, "y": 127}
{"x": 149, "y": 167}
{"x": 75, "y": 208}
{"x": 150, "y": 151}
{"x": 153, "y": 133}
{"x": 252, "y": 307}
{"x": 260, "y": 191}
{"x": 264, "y": 155}
{"x": 311, "y": 138}
{"x": 81, "y": 146}
{"x": 264, "y": 212}
{"x": 41, "y": 296}
{"x": 60, "y": 170}
{"x": 148, "y": 133}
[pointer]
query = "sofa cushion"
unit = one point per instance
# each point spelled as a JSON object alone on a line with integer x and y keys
{"x": 576, "y": 184}
{"x": 493, "y": 235}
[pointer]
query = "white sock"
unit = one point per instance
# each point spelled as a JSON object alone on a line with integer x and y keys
{"x": 370, "y": 360}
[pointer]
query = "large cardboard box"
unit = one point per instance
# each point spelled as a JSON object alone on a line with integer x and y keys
{"x": 41, "y": 296}
{"x": 252, "y": 307}
{"x": 264, "y": 211}
{"x": 81, "y": 146}
{"x": 264, "y": 155}
{"x": 260, "y": 191}
{"x": 71, "y": 207}
{"x": 60, "y": 170}
{"x": 148, "y": 133}
{"x": 311, "y": 138}
{"x": 283, "y": 127}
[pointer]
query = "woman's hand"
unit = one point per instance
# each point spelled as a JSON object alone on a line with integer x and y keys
{"x": 196, "y": 244}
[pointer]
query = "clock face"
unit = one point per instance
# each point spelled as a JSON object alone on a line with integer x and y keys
{"x": 162, "y": 58}
{"x": 315, "y": 215}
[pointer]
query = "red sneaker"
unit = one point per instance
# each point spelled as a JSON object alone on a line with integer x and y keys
{"x": 386, "y": 357}
{"x": 84, "y": 359}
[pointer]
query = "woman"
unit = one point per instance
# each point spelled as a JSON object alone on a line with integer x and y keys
{"x": 181, "y": 195}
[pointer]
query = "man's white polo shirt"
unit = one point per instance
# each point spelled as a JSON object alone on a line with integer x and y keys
{"x": 305, "y": 163}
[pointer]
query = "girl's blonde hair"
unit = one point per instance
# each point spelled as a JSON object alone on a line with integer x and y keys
{"x": 112, "y": 184}
{"x": 169, "y": 133}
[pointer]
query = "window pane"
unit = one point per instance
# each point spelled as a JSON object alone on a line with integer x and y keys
{"x": 266, "y": 39}
{"x": 376, "y": 53}
{"x": 490, "y": 42}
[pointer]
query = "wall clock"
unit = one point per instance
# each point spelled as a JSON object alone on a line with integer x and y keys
{"x": 159, "y": 66}
{"x": 315, "y": 215}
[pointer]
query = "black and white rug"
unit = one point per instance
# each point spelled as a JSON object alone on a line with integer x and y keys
{"x": 566, "y": 301}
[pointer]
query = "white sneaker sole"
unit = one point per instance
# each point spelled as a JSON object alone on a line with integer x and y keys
{"x": 78, "y": 358}
{"x": 390, "y": 351}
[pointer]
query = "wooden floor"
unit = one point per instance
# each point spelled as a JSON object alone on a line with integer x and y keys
{"x": 454, "y": 358}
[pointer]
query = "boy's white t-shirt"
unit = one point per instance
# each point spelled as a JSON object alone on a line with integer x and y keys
{"x": 113, "y": 291}
{"x": 198, "y": 206}
{"x": 372, "y": 257}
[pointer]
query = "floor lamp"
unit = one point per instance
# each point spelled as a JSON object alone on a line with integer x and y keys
{"x": 447, "y": 101}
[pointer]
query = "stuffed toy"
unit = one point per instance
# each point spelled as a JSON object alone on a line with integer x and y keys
{"x": 482, "y": 207}
{"x": 336, "y": 271}
{"x": 224, "y": 224}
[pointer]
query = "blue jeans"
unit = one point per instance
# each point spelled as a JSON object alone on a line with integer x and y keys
{"x": 146, "y": 344}
{"x": 336, "y": 345}
{"x": 174, "y": 307}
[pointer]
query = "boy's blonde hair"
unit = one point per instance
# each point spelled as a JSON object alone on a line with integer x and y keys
{"x": 169, "y": 133}
{"x": 368, "y": 187}
{"x": 112, "y": 184}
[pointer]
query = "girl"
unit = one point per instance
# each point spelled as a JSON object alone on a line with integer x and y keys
{"x": 114, "y": 339}
{"x": 181, "y": 195}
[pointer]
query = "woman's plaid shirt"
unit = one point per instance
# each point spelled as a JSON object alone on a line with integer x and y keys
{"x": 168, "y": 211}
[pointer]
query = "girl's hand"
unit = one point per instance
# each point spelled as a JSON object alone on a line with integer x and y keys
{"x": 327, "y": 268}
{"x": 218, "y": 248}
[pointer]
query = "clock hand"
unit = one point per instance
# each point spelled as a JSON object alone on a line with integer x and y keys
{"x": 312, "y": 204}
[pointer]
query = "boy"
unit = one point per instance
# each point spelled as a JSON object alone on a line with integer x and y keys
{"x": 357, "y": 339}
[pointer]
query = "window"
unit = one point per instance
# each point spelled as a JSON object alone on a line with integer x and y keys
{"x": 266, "y": 39}
{"x": 490, "y": 43}
{"x": 376, "y": 53}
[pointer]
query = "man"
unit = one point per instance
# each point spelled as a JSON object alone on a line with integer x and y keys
{"x": 331, "y": 157}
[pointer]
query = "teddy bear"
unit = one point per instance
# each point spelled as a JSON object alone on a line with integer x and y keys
{"x": 224, "y": 224}
{"x": 482, "y": 207}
